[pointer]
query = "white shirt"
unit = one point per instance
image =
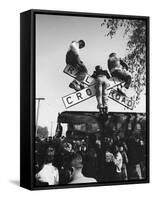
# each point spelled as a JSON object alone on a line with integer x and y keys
{"x": 109, "y": 156}
{"x": 118, "y": 162}
{"x": 48, "y": 174}
{"x": 74, "y": 46}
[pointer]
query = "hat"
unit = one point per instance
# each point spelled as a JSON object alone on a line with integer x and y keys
{"x": 82, "y": 42}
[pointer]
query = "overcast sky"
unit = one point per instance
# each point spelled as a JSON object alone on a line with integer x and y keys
{"x": 53, "y": 36}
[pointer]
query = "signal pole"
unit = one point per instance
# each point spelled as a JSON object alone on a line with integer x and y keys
{"x": 51, "y": 131}
{"x": 37, "y": 115}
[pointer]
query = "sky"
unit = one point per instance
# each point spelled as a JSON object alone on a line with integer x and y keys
{"x": 53, "y": 36}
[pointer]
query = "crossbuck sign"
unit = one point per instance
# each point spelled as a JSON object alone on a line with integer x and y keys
{"x": 90, "y": 91}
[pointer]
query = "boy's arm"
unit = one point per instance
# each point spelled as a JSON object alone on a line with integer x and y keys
{"x": 94, "y": 75}
{"x": 124, "y": 64}
{"x": 107, "y": 74}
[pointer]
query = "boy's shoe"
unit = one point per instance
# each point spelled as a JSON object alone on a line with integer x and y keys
{"x": 105, "y": 109}
{"x": 101, "y": 111}
{"x": 82, "y": 86}
{"x": 121, "y": 92}
{"x": 100, "y": 108}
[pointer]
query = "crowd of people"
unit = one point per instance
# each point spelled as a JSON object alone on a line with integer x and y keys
{"x": 91, "y": 158}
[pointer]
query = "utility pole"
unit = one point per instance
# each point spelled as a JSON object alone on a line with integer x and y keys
{"x": 51, "y": 131}
{"x": 37, "y": 115}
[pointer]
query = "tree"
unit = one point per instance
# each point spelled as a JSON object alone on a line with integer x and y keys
{"x": 42, "y": 132}
{"x": 135, "y": 31}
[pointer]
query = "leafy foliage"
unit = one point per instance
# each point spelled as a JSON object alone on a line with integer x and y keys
{"x": 42, "y": 132}
{"x": 135, "y": 31}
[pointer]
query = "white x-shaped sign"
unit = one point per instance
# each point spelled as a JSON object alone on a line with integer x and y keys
{"x": 90, "y": 91}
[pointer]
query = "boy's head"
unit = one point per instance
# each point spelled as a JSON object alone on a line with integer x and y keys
{"x": 112, "y": 56}
{"x": 81, "y": 44}
{"x": 98, "y": 67}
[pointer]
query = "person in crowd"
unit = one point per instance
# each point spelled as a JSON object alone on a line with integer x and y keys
{"x": 100, "y": 157}
{"x": 119, "y": 69}
{"x": 49, "y": 174}
{"x": 134, "y": 153}
{"x": 59, "y": 130}
{"x": 76, "y": 165}
{"x": 118, "y": 161}
{"x": 102, "y": 84}
{"x": 73, "y": 58}
{"x": 67, "y": 146}
{"x": 142, "y": 158}
{"x": 90, "y": 163}
{"x": 109, "y": 166}
{"x": 125, "y": 162}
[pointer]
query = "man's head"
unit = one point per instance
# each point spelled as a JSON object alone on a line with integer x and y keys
{"x": 75, "y": 164}
{"x": 81, "y": 44}
{"x": 116, "y": 149}
{"x": 50, "y": 154}
{"x": 121, "y": 148}
{"x": 67, "y": 146}
{"x": 76, "y": 161}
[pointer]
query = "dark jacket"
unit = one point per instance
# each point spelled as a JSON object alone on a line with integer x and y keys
{"x": 96, "y": 73}
{"x": 112, "y": 64}
{"x": 74, "y": 59}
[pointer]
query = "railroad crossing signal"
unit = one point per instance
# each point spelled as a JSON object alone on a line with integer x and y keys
{"x": 90, "y": 91}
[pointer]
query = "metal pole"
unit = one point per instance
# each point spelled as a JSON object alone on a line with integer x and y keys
{"x": 37, "y": 116}
{"x": 51, "y": 132}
